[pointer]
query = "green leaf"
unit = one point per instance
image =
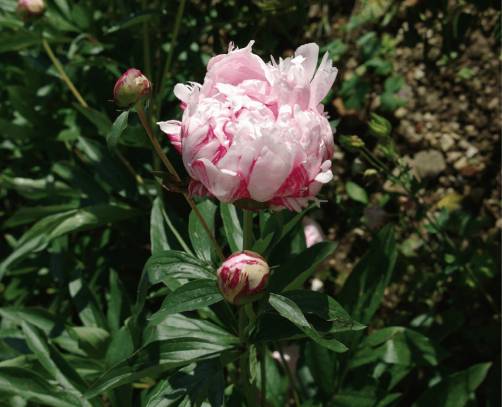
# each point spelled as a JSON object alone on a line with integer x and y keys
{"x": 289, "y": 310}
{"x": 325, "y": 307}
{"x": 119, "y": 307}
{"x": 33, "y": 387}
{"x": 276, "y": 227}
{"x": 109, "y": 170}
{"x": 51, "y": 325}
{"x": 118, "y": 127}
{"x": 17, "y": 41}
{"x": 132, "y": 21}
{"x": 47, "y": 229}
{"x": 232, "y": 226}
{"x": 158, "y": 237}
{"x": 201, "y": 242}
{"x": 321, "y": 364}
{"x": 396, "y": 345}
{"x": 456, "y": 389}
{"x": 85, "y": 301}
{"x": 172, "y": 268}
{"x": 293, "y": 273}
{"x": 93, "y": 340}
{"x": 26, "y": 215}
{"x": 50, "y": 358}
{"x": 191, "y": 386}
{"x": 363, "y": 291}
{"x": 99, "y": 119}
{"x": 178, "y": 325}
{"x": 191, "y": 296}
{"x": 154, "y": 359}
{"x": 356, "y": 193}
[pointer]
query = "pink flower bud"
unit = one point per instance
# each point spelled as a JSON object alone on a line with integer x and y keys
{"x": 131, "y": 87}
{"x": 313, "y": 231}
{"x": 242, "y": 276}
{"x": 30, "y": 8}
{"x": 256, "y": 130}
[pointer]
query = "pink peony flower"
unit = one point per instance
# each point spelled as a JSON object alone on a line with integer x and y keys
{"x": 313, "y": 231}
{"x": 242, "y": 276}
{"x": 257, "y": 131}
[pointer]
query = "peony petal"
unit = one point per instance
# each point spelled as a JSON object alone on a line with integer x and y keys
{"x": 271, "y": 168}
{"x": 322, "y": 82}
{"x": 310, "y": 52}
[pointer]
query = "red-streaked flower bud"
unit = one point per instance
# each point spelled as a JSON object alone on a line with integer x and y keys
{"x": 243, "y": 276}
{"x": 30, "y": 8}
{"x": 131, "y": 87}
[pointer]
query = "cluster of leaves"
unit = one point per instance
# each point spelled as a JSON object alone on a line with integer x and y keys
{"x": 108, "y": 293}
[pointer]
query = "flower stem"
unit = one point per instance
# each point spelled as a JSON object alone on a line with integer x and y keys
{"x": 158, "y": 149}
{"x": 170, "y": 55}
{"x": 263, "y": 375}
{"x": 73, "y": 89}
{"x": 290, "y": 376}
{"x": 248, "y": 237}
{"x": 62, "y": 73}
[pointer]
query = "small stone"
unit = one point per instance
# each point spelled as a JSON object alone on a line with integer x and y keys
{"x": 453, "y": 156}
{"x": 401, "y": 112}
{"x": 460, "y": 163}
{"x": 446, "y": 142}
{"x": 471, "y": 151}
{"x": 429, "y": 163}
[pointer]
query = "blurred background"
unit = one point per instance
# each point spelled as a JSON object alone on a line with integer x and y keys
{"x": 418, "y": 84}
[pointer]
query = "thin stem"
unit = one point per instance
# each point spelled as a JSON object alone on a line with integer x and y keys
{"x": 263, "y": 375}
{"x": 248, "y": 230}
{"x": 155, "y": 143}
{"x": 146, "y": 45}
{"x": 178, "y": 237}
{"x": 62, "y": 73}
{"x": 244, "y": 358}
{"x": 73, "y": 89}
{"x": 290, "y": 376}
{"x": 174, "y": 173}
{"x": 170, "y": 55}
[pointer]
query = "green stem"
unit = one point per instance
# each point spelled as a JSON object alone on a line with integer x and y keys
{"x": 146, "y": 46}
{"x": 170, "y": 55}
{"x": 244, "y": 359}
{"x": 292, "y": 380}
{"x": 248, "y": 237}
{"x": 62, "y": 74}
{"x": 158, "y": 149}
{"x": 263, "y": 375}
{"x": 73, "y": 89}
